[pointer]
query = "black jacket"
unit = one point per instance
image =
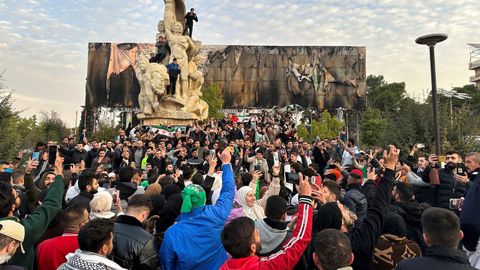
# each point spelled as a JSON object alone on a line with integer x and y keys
{"x": 437, "y": 257}
{"x": 83, "y": 199}
{"x": 412, "y": 212}
{"x": 134, "y": 248}
{"x": 364, "y": 237}
{"x": 449, "y": 188}
{"x": 235, "y": 134}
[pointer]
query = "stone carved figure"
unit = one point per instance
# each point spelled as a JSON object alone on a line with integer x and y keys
{"x": 146, "y": 97}
{"x": 186, "y": 105}
{"x": 196, "y": 79}
{"x": 182, "y": 47}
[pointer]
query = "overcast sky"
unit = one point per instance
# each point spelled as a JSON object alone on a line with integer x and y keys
{"x": 43, "y": 44}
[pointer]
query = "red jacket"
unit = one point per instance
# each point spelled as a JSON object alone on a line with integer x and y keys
{"x": 51, "y": 253}
{"x": 292, "y": 250}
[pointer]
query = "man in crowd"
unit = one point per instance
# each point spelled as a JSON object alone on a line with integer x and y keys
{"x": 189, "y": 18}
{"x": 354, "y": 199}
{"x": 95, "y": 241}
{"x": 36, "y": 223}
{"x": 243, "y": 242}
{"x": 198, "y": 227}
{"x": 441, "y": 231}
{"x": 332, "y": 250}
{"x": 51, "y": 253}
{"x": 134, "y": 247}
{"x": 12, "y": 235}
{"x": 273, "y": 229}
{"x": 449, "y": 187}
{"x": 88, "y": 185}
{"x": 173, "y": 72}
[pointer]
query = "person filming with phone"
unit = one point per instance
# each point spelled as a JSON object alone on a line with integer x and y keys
{"x": 452, "y": 179}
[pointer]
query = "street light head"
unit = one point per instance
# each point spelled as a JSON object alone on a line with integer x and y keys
{"x": 431, "y": 40}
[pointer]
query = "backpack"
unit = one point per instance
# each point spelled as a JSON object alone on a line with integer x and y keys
{"x": 391, "y": 249}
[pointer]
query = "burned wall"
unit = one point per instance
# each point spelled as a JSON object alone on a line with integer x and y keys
{"x": 249, "y": 76}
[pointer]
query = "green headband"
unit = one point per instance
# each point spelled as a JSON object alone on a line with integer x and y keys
{"x": 193, "y": 196}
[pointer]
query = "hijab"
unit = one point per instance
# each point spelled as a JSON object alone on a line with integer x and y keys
{"x": 242, "y": 200}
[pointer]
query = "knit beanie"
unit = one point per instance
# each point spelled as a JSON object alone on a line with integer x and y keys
{"x": 328, "y": 216}
{"x": 395, "y": 225}
{"x": 193, "y": 196}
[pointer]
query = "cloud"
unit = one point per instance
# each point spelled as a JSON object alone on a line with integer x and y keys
{"x": 43, "y": 45}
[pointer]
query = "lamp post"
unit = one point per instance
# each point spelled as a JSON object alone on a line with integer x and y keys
{"x": 431, "y": 40}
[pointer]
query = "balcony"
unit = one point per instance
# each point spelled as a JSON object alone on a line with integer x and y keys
{"x": 475, "y": 78}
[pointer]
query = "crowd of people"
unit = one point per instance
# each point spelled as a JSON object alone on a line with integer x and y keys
{"x": 237, "y": 195}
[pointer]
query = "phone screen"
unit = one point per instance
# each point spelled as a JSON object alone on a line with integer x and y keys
{"x": 35, "y": 156}
{"x": 52, "y": 154}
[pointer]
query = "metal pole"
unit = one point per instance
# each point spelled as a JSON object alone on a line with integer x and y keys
{"x": 435, "y": 100}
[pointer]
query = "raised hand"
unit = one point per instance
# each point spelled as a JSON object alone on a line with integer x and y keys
{"x": 391, "y": 157}
{"x": 305, "y": 188}
{"x": 226, "y": 156}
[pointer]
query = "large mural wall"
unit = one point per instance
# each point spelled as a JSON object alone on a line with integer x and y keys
{"x": 249, "y": 76}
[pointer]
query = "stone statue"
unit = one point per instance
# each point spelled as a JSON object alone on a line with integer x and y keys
{"x": 186, "y": 106}
{"x": 146, "y": 96}
{"x": 196, "y": 79}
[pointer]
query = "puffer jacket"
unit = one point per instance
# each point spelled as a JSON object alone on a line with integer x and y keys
{"x": 356, "y": 202}
{"x": 134, "y": 247}
{"x": 437, "y": 257}
{"x": 449, "y": 188}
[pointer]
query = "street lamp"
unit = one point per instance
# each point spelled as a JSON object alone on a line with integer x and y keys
{"x": 430, "y": 41}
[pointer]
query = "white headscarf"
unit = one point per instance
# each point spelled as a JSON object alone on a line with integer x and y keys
{"x": 242, "y": 200}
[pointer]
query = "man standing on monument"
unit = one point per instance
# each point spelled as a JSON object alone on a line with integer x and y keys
{"x": 189, "y": 18}
{"x": 173, "y": 71}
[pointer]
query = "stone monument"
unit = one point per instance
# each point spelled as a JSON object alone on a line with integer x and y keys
{"x": 186, "y": 106}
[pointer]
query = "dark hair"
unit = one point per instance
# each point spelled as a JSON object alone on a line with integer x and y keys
{"x": 86, "y": 179}
{"x": 259, "y": 151}
{"x": 140, "y": 201}
{"x": 17, "y": 174}
{"x": 333, "y": 249}
{"x": 5, "y": 177}
{"x": 165, "y": 181}
{"x": 73, "y": 216}
{"x": 187, "y": 171}
{"x": 95, "y": 234}
{"x": 237, "y": 237}
{"x": 126, "y": 174}
{"x": 333, "y": 187}
{"x": 297, "y": 167}
{"x": 441, "y": 226}
{"x": 245, "y": 178}
{"x": 6, "y": 199}
{"x": 276, "y": 207}
{"x": 405, "y": 191}
{"x": 102, "y": 149}
{"x": 197, "y": 178}
{"x": 452, "y": 152}
{"x": 351, "y": 140}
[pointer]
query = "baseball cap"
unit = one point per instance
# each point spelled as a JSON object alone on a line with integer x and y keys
{"x": 13, "y": 230}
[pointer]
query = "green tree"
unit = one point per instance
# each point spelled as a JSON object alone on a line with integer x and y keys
{"x": 213, "y": 96}
{"x": 105, "y": 131}
{"x": 50, "y": 127}
{"x": 326, "y": 127}
{"x": 373, "y": 128}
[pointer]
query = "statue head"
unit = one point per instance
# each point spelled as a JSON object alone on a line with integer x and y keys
{"x": 161, "y": 26}
{"x": 159, "y": 77}
{"x": 177, "y": 28}
{"x": 142, "y": 64}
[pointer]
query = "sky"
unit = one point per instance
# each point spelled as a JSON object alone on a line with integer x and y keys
{"x": 43, "y": 44}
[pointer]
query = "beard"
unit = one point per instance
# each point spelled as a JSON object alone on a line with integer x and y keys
{"x": 258, "y": 247}
{"x": 451, "y": 165}
{"x": 5, "y": 258}
{"x": 94, "y": 191}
